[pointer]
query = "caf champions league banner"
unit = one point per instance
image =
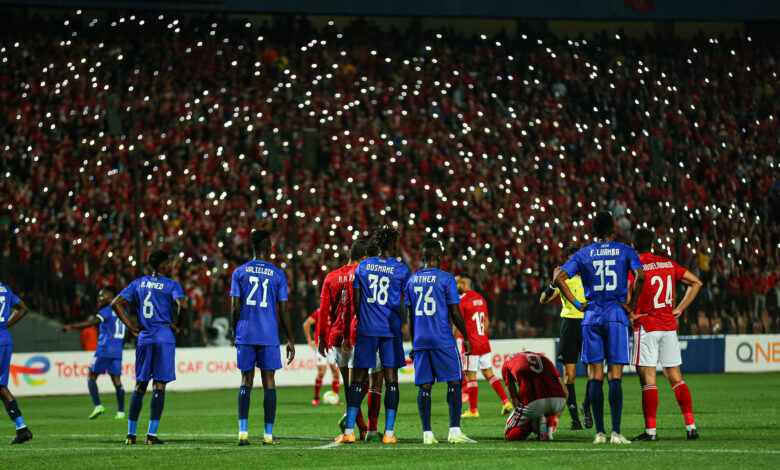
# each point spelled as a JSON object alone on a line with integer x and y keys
{"x": 65, "y": 373}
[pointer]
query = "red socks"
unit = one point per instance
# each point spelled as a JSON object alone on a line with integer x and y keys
{"x": 317, "y": 387}
{"x": 374, "y": 404}
{"x": 650, "y": 405}
{"x": 473, "y": 391}
{"x": 495, "y": 382}
{"x": 683, "y": 395}
{"x": 336, "y": 384}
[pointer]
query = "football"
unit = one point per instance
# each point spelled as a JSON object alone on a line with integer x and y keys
{"x": 330, "y": 398}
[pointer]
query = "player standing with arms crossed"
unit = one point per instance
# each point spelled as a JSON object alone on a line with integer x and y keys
{"x": 108, "y": 356}
{"x": 324, "y": 361}
{"x": 571, "y": 341}
{"x": 378, "y": 300}
{"x": 8, "y": 302}
{"x": 655, "y": 333}
{"x": 431, "y": 297}
{"x": 604, "y": 268}
{"x": 258, "y": 296}
{"x": 155, "y": 354}
{"x": 475, "y": 315}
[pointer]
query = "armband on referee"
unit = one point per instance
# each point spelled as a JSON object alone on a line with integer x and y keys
{"x": 549, "y": 291}
{"x": 577, "y": 304}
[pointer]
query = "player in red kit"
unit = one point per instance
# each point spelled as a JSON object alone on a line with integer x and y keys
{"x": 538, "y": 394}
{"x": 655, "y": 332}
{"x": 474, "y": 310}
{"x": 337, "y": 293}
{"x": 324, "y": 361}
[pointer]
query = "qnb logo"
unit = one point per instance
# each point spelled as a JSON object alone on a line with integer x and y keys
{"x": 757, "y": 352}
{"x": 35, "y": 366}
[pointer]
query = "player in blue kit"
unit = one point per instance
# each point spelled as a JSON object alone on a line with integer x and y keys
{"x": 154, "y": 298}
{"x": 432, "y": 299}
{"x": 9, "y": 301}
{"x": 604, "y": 267}
{"x": 378, "y": 299}
{"x": 258, "y": 296}
{"x": 108, "y": 356}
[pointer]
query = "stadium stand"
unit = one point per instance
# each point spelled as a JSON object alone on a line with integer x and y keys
{"x": 502, "y": 146}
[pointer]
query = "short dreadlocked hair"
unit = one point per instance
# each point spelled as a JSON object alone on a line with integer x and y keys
{"x": 385, "y": 238}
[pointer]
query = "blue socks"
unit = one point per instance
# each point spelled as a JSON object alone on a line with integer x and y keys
{"x": 136, "y": 402}
{"x": 354, "y": 399}
{"x": 156, "y": 409}
{"x": 244, "y": 395}
{"x": 120, "y": 399}
{"x": 596, "y": 389}
{"x": 12, "y": 408}
{"x": 269, "y": 406}
{"x": 616, "y": 403}
{"x": 391, "y": 404}
{"x": 93, "y": 392}
{"x": 424, "y": 406}
{"x": 456, "y": 404}
{"x": 132, "y": 426}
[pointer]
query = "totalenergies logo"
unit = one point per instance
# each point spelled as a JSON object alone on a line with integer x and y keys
{"x": 36, "y": 365}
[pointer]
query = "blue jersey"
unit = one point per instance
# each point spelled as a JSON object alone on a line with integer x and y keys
{"x": 259, "y": 285}
{"x": 112, "y": 334}
{"x": 381, "y": 282}
{"x": 428, "y": 294}
{"x": 604, "y": 269}
{"x": 7, "y": 300}
{"x": 154, "y": 297}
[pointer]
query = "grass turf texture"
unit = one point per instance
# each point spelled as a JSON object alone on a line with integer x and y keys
{"x": 737, "y": 417}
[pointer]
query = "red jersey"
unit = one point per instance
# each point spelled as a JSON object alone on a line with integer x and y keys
{"x": 535, "y": 375}
{"x": 316, "y": 317}
{"x": 474, "y": 310}
{"x": 336, "y": 304}
{"x": 657, "y": 297}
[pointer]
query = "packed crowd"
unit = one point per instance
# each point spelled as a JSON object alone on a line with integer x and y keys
{"x": 501, "y": 146}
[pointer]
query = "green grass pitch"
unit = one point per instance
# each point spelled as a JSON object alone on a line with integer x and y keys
{"x": 738, "y": 417}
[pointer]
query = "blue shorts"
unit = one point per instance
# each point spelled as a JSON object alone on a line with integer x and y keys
{"x": 101, "y": 364}
{"x": 437, "y": 365}
{"x": 605, "y": 341}
{"x": 5, "y": 363}
{"x": 155, "y": 361}
{"x": 391, "y": 352}
{"x": 264, "y": 357}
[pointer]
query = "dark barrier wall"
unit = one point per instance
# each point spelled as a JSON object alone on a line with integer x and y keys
{"x": 552, "y": 9}
{"x": 700, "y": 354}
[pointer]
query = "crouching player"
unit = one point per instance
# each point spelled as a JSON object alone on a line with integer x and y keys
{"x": 538, "y": 393}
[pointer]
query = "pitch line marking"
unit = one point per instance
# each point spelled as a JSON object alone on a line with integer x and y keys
{"x": 326, "y": 446}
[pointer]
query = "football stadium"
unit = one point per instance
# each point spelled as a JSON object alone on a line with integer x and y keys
{"x": 399, "y": 234}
